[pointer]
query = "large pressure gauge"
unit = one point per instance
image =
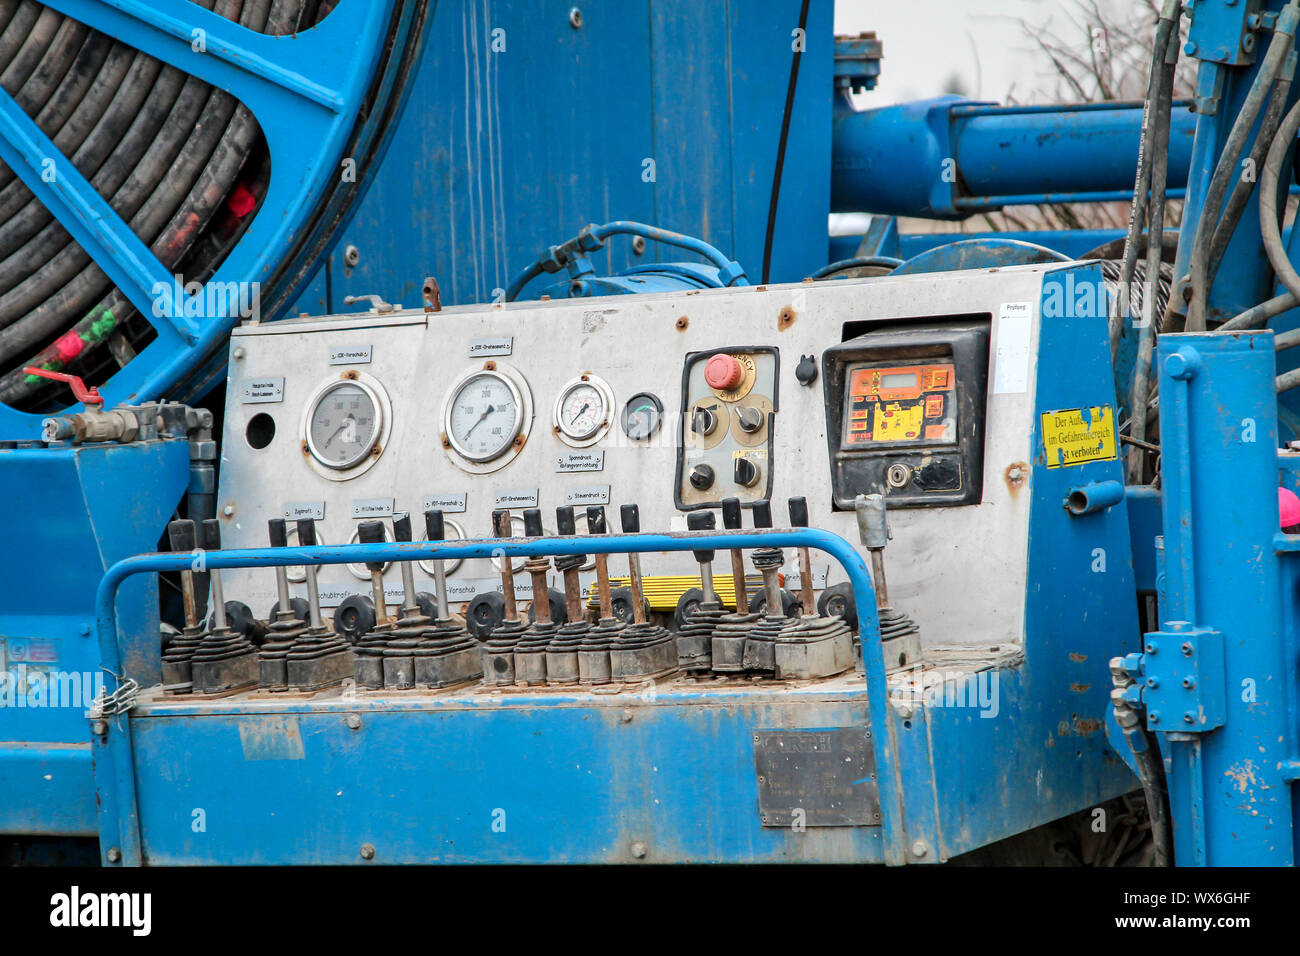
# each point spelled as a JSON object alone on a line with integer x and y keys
{"x": 486, "y": 417}
{"x": 345, "y": 426}
{"x": 583, "y": 409}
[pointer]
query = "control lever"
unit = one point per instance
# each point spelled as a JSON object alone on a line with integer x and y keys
{"x": 642, "y": 651}
{"x": 530, "y": 652}
{"x": 727, "y": 643}
{"x": 369, "y": 649}
{"x": 593, "y": 654}
{"x": 372, "y": 532}
{"x": 225, "y": 661}
{"x": 446, "y": 656}
{"x": 318, "y": 658}
{"x": 499, "y": 648}
{"x": 799, "y": 519}
{"x": 288, "y": 619}
{"x": 177, "y": 672}
{"x": 399, "y": 653}
{"x": 759, "y": 653}
{"x": 695, "y": 626}
{"x": 900, "y": 638}
{"x": 731, "y": 521}
{"x": 562, "y": 666}
{"x": 630, "y": 520}
{"x": 410, "y": 604}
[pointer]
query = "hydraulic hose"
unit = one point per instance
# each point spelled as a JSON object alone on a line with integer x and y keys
{"x": 857, "y": 262}
{"x": 1270, "y": 226}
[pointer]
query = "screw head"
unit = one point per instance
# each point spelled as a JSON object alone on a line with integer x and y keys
{"x": 114, "y": 855}
{"x": 367, "y": 851}
{"x": 238, "y": 353}
{"x": 919, "y": 849}
{"x": 638, "y": 850}
{"x": 353, "y": 721}
{"x": 627, "y": 716}
{"x": 1189, "y": 683}
{"x": 1189, "y": 717}
{"x": 1190, "y": 48}
{"x": 1151, "y": 647}
{"x": 228, "y": 510}
{"x": 85, "y": 630}
{"x": 1154, "y": 717}
{"x": 99, "y": 728}
{"x": 1186, "y": 649}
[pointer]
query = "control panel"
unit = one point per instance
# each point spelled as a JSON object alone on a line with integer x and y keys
{"x": 677, "y": 402}
{"x": 729, "y": 403}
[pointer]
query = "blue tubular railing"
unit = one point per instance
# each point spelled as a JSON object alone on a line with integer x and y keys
{"x": 121, "y": 803}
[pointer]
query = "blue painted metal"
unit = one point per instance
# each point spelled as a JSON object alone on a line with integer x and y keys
{"x": 76, "y": 512}
{"x": 1218, "y": 678}
{"x": 306, "y": 91}
{"x": 948, "y": 157}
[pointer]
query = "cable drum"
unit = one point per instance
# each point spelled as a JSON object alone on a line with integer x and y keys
{"x": 182, "y": 162}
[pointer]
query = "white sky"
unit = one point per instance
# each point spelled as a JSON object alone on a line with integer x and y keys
{"x": 927, "y": 42}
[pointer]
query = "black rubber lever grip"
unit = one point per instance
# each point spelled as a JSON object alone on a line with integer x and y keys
{"x": 629, "y": 517}
{"x": 702, "y": 521}
{"x": 762, "y": 514}
{"x": 279, "y": 531}
{"x": 181, "y": 535}
{"x": 402, "y": 527}
{"x": 372, "y": 532}
{"x": 211, "y": 534}
{"x": 306, "y": 532}
{"x": 731, "y": 514}
{"x": 564, "y": 520}
{"x": 435, "y": 529}
{"x": 596, "y": 519}
{"x": 532, "y": 522}
{"x": 799, "y": 512}
{"x": 501, "y": 527}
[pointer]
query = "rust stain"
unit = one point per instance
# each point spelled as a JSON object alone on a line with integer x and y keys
{"x": 489, "y": 366}
{"x": 446, "y": 442}
{"x": 350, "y": 374}
{"x": 304, "y": 448}
{"x": 1015, "y": 475}
{"x": 682, "y": 323}
{"x": 1077, "y": 657}
{"x": 1080, "y": 688}
{"x": 1087, "y": 725}
{"x": 785, "y": 319}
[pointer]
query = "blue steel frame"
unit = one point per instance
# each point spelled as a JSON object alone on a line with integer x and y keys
{"x": 120, "y": 839}
{"x": 305, "y": 91}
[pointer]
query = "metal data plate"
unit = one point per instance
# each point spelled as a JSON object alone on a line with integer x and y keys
{"x": 818, "y": 778}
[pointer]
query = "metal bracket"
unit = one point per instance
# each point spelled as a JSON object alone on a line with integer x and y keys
{"x": 1223, "y": 31}
{"x": 1180, "y": 679}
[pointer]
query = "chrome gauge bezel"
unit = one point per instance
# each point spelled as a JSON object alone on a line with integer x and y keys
{"x": 485, "y": 464}
{"x": 601, "y": 429}
{"x": 364, "y": 461}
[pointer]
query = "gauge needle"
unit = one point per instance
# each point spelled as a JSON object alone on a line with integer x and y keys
{"x": 346, "y": 422}
{"x": 486, "y": 412}
{"x": 578, "y": 413}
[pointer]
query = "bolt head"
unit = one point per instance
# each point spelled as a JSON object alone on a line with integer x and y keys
{"x": 627, "y": 716}
{"x": 1154, "y": 717}
{"x": 99, "y": 728}
{"x": 1190, "y": 48}
{"x": 353, "y": 721}
{"x": 1189, "y": 717}
{"x": 228, "y": 510}
{"x": 919, "y": 849}
{"x": 114, "y": 855}
{"x": 638, "y": 850}
{"x": 367, "y": 851}
{"x": 1186, "y": 649}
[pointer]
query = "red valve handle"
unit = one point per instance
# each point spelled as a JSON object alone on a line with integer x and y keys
{"x": 87, "y": 396}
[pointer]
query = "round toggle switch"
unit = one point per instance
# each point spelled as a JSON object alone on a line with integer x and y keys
{"x": 724, "y": 372}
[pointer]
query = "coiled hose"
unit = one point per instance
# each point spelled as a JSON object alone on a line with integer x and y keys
{"x": 170, "y": 153}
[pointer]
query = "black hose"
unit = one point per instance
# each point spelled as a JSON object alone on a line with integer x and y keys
{"x": 1226, "y": 170}
{"x": 1269, "y": 201}
{"x": 793, "y": 83}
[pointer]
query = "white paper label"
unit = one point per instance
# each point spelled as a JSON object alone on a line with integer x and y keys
{"x": 1011, "y": 364}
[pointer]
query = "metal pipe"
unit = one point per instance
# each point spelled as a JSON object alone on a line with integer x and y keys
{"x": 1093, "y": 497}
{"x": 946, "y": 158}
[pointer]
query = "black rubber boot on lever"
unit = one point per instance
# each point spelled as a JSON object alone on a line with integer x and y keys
{"x": 447, "y": 656}
{"x": 319, "y": 658}
{"x": 642, "y": 651}
{"x": 176, "y": 662}
{"x": 286, "y": 625}
{"x": 226, "y": 661}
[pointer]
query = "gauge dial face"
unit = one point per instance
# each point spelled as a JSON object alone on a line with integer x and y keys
{"x": 343, "y": 425}
{"x": 582, "y": 411}
{"x": 642, "y": 416}
{"x": 484, "y": 416}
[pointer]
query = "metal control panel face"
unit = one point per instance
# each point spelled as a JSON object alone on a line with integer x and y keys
{"x": 906, "y": 410}
{"x": 612, "y": 401}
{"x": 729, "y": 403}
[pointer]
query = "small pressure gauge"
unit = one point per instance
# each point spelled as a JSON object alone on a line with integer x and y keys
{"x": 343, "y": 425}
{"x": 582, "y": 410}
{"x": 483, "y": 416}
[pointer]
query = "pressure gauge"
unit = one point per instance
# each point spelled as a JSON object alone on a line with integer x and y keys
{"x": 343, "y": 425}
{"x": 582, "y": 410}
{"x": 483, "y": 415}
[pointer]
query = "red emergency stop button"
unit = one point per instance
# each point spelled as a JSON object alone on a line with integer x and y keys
{"x": 724, "y": 372}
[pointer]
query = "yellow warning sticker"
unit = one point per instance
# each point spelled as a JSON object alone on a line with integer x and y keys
{"x": 1074, "y": 436}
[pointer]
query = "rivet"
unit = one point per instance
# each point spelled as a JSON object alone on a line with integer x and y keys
{"x": 919, "y": 849}
{"x": 367, "y": 851}
{"x": 353, "y": 721}
{"x": 638, "y": 850}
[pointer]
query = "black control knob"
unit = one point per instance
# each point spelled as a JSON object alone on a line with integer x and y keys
{"x": 703, "y": 421}
{"x": 745, "y": 473}
{"x": 731, "y": 514}
{"x": 501, "y": 523}
{"x": 750, "y": 418}
{"x": 762, "y": 514}
{"x": 372, "y": 532}
{"x": 435, "y": 529}
{"x": 701, "y": 521}
{"x": 533, "y": 523}
{"x": 402, "y": 527}
{"x": 630, "y": 518}
{"x": 211, "y": 534}
{"x": 596, "y": 519}
{"x": 279, "y": 532}
{"x": 306, "y": 532}
{"x": 799, "y": 512}
{"x": 181, "y": 535}
{"x": 701, "y": 477}
{"x": 564, "y": 520}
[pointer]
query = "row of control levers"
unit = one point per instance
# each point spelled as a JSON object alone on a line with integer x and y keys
{"x": 425, "y": 647}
